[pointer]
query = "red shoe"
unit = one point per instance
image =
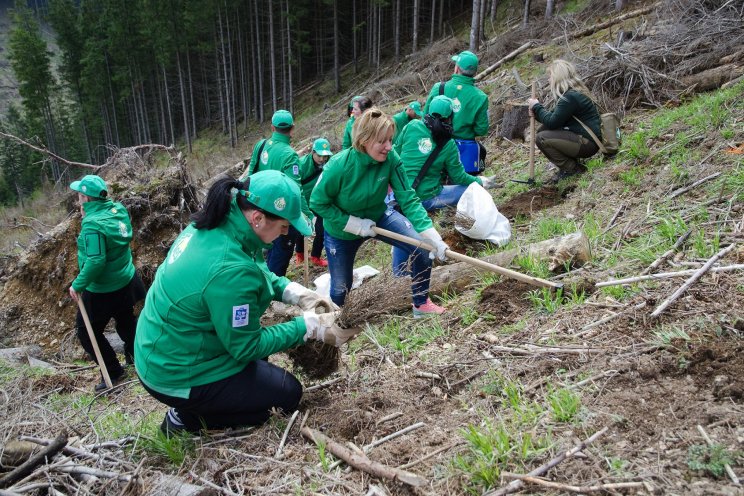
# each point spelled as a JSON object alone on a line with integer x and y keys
{"x": 320, "y": 262}
{"x": 428, "y": 308}
{"x": 299, "y": 258}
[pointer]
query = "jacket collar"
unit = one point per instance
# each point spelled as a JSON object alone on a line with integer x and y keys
{"x": 97, "y": 206}
{"x": 279, "y": 137}
{"x": 362, "y": 158}
{"x": 462, "y": 79}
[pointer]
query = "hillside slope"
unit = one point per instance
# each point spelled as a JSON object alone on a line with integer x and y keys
{"x": 509, "y": 377}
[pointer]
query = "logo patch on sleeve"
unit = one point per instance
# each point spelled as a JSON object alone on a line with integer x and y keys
{"x": 240, "y": 316}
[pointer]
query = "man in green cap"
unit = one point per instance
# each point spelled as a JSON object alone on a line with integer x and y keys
{"x": 311, "y": 166}
{"x": 469, "y": 107}
{"x": 275, "y": 153}
{"x": 411, "y": 112}
{"x": 107, "y": 282}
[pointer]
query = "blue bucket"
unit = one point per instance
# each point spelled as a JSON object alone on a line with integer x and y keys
{"x": 469, "y": 155}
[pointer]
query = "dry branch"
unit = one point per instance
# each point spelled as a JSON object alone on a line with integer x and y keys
{"x": 504, "y": 60}
{"x": 27, "y": 467}
{"x": 598, "y": 488}
{"x": 679, "y": 191}
{"x": 665, "y": 275}
{"x": 361, "y": 462}
{"x": 45, "y": 151}
{"x": 667, "y": 253}
{"x": 697, "y": 275}
{"x": 518, "y": 484}
{"x": 602, "y": 25}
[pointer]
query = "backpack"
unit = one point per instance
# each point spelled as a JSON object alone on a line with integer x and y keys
{"x": 609, "y": 125}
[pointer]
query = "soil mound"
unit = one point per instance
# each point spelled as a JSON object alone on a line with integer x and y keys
{"x": 506, "y": 301}
{"x": 156, "y": 190}
{"x": 525, "y": 204}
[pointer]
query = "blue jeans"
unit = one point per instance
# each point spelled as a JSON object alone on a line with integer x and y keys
{"x": 277, "y": 260}
{"x": 448, "y": 197}
{"x": 341, "y": 254}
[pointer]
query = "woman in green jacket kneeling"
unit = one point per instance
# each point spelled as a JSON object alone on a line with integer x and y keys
{"x": 200, "y": 346}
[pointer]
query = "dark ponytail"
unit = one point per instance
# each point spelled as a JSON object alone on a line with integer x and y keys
{"x": 441, "y": 129}
{"x": 218, "y": 201}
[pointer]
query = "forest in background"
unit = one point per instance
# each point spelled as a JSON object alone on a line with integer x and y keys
{"x": 151, "y": 71}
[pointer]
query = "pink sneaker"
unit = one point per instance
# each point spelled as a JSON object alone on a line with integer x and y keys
{"x": 428, "y": 308}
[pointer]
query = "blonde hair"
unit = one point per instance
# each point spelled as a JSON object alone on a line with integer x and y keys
{"x": 372, "y": 124}
{"x": 564, "y": 77}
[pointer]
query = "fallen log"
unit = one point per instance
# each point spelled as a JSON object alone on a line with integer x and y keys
{"x": 507, "y": 58}
{"x": 602, "y": 25}
{"x": 713, "y": 78}
{"x": 361, "y": 462}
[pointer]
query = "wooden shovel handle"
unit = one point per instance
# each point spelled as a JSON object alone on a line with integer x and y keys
{"x": 534, "y": 281}
{"x": 94, "y": 342}
{"x": 532, "y": 136}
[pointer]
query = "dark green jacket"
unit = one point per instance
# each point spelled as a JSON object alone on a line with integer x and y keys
{"x": 571, "y": 103}
{"x": 352, "y": 183}
{"x": 414, "y": 147}
{"x": 469, "y": 106}
{"x": 201, "y": 317}
{"x": 104, "y": 257}
{"x": 277, "y": 154}
{"x": 309, "y": 174}
{"x": 347, "y": 133}
{"x": 400, "y": 119}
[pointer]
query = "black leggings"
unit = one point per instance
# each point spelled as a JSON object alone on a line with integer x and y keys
{"x": 317, "y": 248}
{"x": 101, "y": 308}
{"x": 245, "y": 398}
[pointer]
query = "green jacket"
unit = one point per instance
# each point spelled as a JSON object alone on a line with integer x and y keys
{"x": 414, "y": 147}
{"x": 400, "y": 119}
{"x": 352, "y": 183}
{"x": 347, "y": 133}
{"x": 469, "y": 106}
{"x": 277, "y": 154}
{"x": 104, "y": 257}
{"x": 200, "y": 322}
{"x": 571, "y": 103}
{"x": 309, "y": 174}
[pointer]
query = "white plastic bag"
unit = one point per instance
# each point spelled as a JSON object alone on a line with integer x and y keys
{"x": 323, "y": 281}
{"x": 490, "y": 224}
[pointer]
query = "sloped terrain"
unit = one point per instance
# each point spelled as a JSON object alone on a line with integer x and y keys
{"x": 510, "y": 376}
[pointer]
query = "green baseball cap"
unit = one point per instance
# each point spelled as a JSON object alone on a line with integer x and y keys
{"x": 276, "y": 193}
{"x": 466, "y": 60}
{"x": 90, "y": 185}
{"x": 322, "y": 147}
{"x": 282, "y": 119}
{"x": 441, "y": 105}
{"x": 416, "y": 107}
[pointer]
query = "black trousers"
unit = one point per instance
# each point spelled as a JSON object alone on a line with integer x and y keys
{"x": 245, "y": 398}
{"x": 101, "y": 308}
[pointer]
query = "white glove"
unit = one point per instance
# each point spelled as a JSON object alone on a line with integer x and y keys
{"x": 435, "y": 239}
{"x": 360, "y": 227}
{"x": 489, "y": 182}
{"x": 306, "y": 299}
{"x": 323, "y": 328}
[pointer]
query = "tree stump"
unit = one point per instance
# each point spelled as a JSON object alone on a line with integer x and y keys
{"x": 516, "y": 120}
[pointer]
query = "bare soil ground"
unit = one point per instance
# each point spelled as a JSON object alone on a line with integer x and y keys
{"x": 650, "y": 381}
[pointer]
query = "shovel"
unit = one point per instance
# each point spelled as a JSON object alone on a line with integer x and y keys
{"x": 531, "y": 180}
{"x": 534, "y": 281}
{"x": 92, "y": 337}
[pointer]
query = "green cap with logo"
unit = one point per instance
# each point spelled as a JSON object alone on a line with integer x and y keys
{"x": 322, "y": 147}
{"x": 90, "y": 185}
{"x": 441, "y": 105}
{"x": 276, "y": 193}
{"x": 416, "y": 107}
{"x": 466, "y": 60}
{"x": 282, "y": 119}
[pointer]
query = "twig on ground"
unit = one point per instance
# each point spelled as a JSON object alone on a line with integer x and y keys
{"x": 432, "y": 454}
{"x": 518, "y": 484}
{"x": 362, "y": 462}
{"x": 667, "y": 253}
{"x": 666, "y": 275}
{"x": 388, "y": 418}
{"x": 28, "y": 466}
{"x": 325, "y": 384}
{"x": 614, "y": 486}
{"x": 726, "y": 466}
{"x": 280, "y": 448}
{"x": 214, "y": 486}
{"x": 689, "y": 282}
{"x": 679, "y": 191}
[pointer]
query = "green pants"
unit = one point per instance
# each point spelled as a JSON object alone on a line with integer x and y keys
{"x": 564, "y": 147}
